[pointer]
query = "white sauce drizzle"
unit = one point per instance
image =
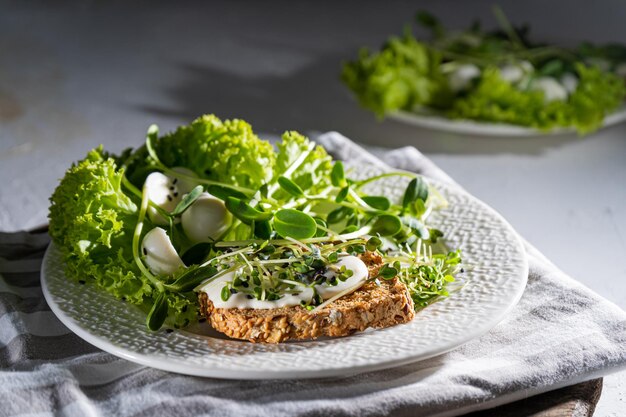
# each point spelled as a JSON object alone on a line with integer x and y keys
{"x": 213, "y": 289}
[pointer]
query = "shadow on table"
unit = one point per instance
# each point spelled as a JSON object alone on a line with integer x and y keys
{"x": 313, "y": 99}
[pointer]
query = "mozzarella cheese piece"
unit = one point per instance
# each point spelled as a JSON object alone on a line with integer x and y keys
{"x": 552, "y": 89}
{"x": 515, "y": 73}
{"x": 159, "y": 253}
{"x": 166, "y": 192}
{"x": 569, "y": 82}
{"x": 184, "y": 185}
{"x": 462, "y": 76}
{"x": 206, "y": 219}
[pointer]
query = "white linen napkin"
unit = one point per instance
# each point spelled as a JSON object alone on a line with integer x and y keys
{"x": 559, "y": 334}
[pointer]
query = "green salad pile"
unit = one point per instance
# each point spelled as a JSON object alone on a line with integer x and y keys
{"x": 491, "y": 76}
{"x": 277, "y": 216}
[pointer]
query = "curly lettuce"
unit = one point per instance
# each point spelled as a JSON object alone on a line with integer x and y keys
{"x": 598, "y": 94}
{"x": 404, "y": 75}
{"x": 226, "y": 151}
{"x": 92, "y": 220}
{"x": 496, "y": 100}
{"x": 313, "y": 173}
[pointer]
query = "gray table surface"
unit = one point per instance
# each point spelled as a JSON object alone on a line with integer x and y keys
{"x": 74, "y": 75}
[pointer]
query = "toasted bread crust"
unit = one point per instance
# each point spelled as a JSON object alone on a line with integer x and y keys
{"x": 371, "y": 305}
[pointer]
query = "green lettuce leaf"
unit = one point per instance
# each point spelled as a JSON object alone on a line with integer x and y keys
{"x": 495, "y": 99}
{"x": 312, "y": 174}
{"x": 92, "y": 220}
{"x": 226, "y": 151}
{"x": 598, "y": 94}
{"x": 404, "y": 75}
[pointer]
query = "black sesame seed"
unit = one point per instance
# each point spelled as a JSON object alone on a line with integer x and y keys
{"x": 176, "y": 194}
{"x": 169, "y": 197}
{"x": 233, "y": 291}
{"x": 175, "y": 181}
{"x": 172, "y": 188}
{"x": 145, "y": 251}
{"x": 462, "y": 269}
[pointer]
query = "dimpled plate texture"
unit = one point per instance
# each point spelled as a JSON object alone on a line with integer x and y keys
{"x": 494, "y": 281}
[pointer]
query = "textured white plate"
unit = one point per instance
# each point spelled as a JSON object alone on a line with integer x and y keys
{"x": 496, "y": 277}
{"x": 469, "y": 127}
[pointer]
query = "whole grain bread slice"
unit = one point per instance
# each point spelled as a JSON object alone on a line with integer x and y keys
{"x": 372, "y": 305}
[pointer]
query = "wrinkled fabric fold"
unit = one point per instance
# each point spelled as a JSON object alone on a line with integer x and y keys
{"x": 560, "y": 333}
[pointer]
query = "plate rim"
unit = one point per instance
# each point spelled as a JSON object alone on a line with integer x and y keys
{"x": 180, "y": 367}
{"x": 475, "y": 127}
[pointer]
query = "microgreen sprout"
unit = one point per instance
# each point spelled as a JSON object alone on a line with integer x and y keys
{"x": 425, "y": 274}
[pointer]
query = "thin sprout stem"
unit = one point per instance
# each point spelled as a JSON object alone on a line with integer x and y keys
{"x": 226, "y": 255}
{"x": 126, "y": 183}
{"x": 363, "y": 207}
{"x": 279, "y": 242}
{"x": 288, "y": 281}
{"x": 247, "y": 191}
{"x": 223, "y": 272}
{"x": 340, "y": 246}
{"x": 276, "y": 261}
{"x": 357, "y": 199}
{"x": 247, "y": 262}
{"x": 359, "y": 184}
{"x": 136, "y": 235}
{"x": 129, "y": 185}
{"x": 507, "y": 27}
{"x": 491, "y": 59}
{"x": 265, "y": 271}
{"x": 296, "y": 242}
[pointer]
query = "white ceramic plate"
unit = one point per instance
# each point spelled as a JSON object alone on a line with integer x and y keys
{"x": 496, "y": 277}
{"x": 470, "y": 127}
